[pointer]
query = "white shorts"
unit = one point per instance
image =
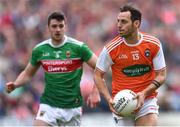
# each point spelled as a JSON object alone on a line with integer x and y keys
{"x": 59, "y": 116}
{"x": 149, "y": 106}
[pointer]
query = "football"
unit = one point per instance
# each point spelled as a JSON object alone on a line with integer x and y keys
{"x": 124, "y": 102}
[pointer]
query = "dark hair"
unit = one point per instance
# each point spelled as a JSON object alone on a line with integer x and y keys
{"x": 135, "y": 13}
{"x": 56, "y": 15}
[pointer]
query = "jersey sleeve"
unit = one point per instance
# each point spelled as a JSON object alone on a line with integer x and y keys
{"x": 159, "y": 60}
{"x": 86, "y": 53}
{"x": 104, "y": 61}
{"x": 34, "y": 57}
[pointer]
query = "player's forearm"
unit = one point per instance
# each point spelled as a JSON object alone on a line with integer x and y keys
{"x": 101, "y": 85}
{"x": 156, "y": 83}
{"x": 95, "y": 89}
{"x": 22, "y": 79}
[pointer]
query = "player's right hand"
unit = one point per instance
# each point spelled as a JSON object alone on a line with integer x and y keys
{"x": 10, "y": 87}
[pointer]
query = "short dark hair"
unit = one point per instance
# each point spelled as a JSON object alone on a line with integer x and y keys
{"x": 58, "y": 15}
{"x": 135, "y": 13}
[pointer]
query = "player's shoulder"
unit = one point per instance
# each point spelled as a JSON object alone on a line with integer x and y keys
{"x": 113, "y": 43}
{"x": 150, "y": 38}
{"x": 74, "y": 41}
{"x": 45, "y": 42}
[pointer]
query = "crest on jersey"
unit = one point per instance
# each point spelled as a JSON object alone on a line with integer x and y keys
{"x": 147, "y": 53}
{"x": 68, "y": 54}
{"x": 42, "y": 113}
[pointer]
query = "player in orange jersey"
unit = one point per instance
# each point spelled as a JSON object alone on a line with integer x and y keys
{"x": 137, "y": 63}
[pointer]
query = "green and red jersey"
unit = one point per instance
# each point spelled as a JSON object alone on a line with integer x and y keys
{"x": 63, "y": 67}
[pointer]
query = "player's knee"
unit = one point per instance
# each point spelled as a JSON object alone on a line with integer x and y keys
{"x": 147, "y": 120}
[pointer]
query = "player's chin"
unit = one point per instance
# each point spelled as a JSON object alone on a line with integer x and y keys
{"x": 122, "y": 34}
{"x": 57, "y": 38}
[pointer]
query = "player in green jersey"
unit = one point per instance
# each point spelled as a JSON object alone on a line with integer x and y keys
{"x": 62, "y": 60}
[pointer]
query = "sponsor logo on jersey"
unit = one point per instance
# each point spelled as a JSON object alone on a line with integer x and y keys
{"x": 136, "y": 70}
{"x": 61, "y": 66}
{"x": 147, "y": 53}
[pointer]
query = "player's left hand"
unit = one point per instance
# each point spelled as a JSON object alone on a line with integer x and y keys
{"x": 93, "y": 99}
{"x": 140, "y": 99}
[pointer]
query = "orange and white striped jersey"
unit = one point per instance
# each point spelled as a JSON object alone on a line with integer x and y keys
{"x": 133, "y": 66}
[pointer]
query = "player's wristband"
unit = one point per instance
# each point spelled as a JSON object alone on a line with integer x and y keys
{"x": 156, "y": 83}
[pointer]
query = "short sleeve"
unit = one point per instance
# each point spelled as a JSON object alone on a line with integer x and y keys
{"x": 34, "y": 57}
{"x": 104, "y": 61}
{"x": 159, "y": 60}
{"x": 86, "y": 52}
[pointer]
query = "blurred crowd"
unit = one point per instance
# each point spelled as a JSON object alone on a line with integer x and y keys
{"x": 23, "y": 24}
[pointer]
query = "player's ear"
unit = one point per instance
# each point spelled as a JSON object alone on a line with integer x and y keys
{"x": 137, "y": 23}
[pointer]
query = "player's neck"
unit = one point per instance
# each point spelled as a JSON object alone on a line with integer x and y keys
{"x": 134, "y": 38}
{"x": 58, "y": 42}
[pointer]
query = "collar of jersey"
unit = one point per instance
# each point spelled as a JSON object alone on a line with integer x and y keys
{"x": 136, "y": 43}
{"x": 61, "y": 44}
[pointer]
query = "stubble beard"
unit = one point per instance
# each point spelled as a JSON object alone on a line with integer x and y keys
{"x": 128, "y": 35}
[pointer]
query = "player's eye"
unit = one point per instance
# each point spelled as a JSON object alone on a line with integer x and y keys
{"x": 61, "y": 25}
{"x": 53, "y": 26}
{"x": 124, "y": 21}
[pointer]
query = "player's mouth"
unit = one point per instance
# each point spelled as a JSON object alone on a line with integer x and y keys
{"x": 57, "y": 35}
{"x": 121, "y": 30}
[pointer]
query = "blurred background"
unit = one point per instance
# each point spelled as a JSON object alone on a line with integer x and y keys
{"x": 23, "y": 24}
